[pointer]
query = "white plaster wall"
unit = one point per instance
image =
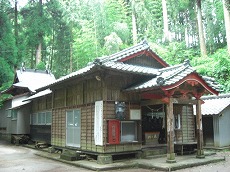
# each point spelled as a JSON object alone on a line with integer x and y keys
{"x": 23, "y": 120}
{"x": 224, "y": 127}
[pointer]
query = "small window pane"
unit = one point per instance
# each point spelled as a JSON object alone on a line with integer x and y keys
{"x": 43, "y": 118}
{"x": 128, "y": 131}
{"x": 9, "y": 113}
{"x": 14, "y": 114}
{"x": 48, "y": 118}
{"x": 39, "y": 118}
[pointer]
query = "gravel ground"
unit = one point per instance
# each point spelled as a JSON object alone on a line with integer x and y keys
{"x": 21, "y": 159}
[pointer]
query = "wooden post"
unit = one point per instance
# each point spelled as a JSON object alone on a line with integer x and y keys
{"x": 199, "y": 130}
{"x": 170, "y": 132}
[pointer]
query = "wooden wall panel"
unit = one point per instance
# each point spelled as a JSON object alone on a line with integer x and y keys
{"x": 187, "y": 131}
{"x": 58, "y": 127}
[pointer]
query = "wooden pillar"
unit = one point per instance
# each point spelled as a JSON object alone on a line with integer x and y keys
{"x": 199, "y": 130}
{"x": 170, "y": 132}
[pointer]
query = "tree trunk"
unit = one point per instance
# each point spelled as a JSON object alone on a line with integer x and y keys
{"x": 38, "y": 53}
{"x": 134, "y": 24}
{"x": 40, "y": 38}
{"x": 16, "y": 24}
{"x": 16, "y": 20}
{"x": 165, "y": 20}
{"x": 71, "y": 48}
{"x": 227, "y": 22}
{"x": 200, "y": 28}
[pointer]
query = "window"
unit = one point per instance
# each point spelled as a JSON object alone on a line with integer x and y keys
{"x": 41, "y": 118}
{"x": 48, "y": 117}
{"x": 8, "y": 112}
{"x": 14, "y": 114}
{"x": 128, "y": 131}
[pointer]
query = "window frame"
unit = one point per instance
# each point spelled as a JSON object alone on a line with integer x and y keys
{"x": 40, "y": 118}
{"x": 135, "y": 133}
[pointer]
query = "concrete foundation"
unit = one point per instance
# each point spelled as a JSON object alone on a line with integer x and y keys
{"x": 104, "y": 159}
{"x": 69, "y": 155}
{"x": 171, "y": 158}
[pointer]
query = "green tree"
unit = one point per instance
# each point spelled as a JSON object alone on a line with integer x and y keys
{"x": 8, "y": 50}
{"x": 36, "y": 24}
{"x": 226, "y": 7}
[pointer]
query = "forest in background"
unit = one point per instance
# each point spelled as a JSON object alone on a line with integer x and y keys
{"x": 64, "y": 35}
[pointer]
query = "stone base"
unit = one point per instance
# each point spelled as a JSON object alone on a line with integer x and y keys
{"x": 51, "y": 149}
{"x": 200, "y": 154}
{"x": 104, "y": 159}
{"x": 69, "y": 155}
{"x": 171, "y": 158}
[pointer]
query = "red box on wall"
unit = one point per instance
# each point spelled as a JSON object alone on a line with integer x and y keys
{"x": 113, "y": 131}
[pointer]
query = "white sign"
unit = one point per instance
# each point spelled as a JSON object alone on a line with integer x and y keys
{"x": 98, "y": 123}
{"x": 135, "y": 114}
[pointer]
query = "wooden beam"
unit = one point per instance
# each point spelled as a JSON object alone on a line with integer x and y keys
{"x": 184, "y": 101}
{"x": 152, "y": 102}
{"x": 199, "y": 130}
{"x": 170, "y": 132}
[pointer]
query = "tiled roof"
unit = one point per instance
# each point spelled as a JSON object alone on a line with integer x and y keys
{"x": 131, "y": 68}
{"x": 120, "y": 66}
{"x": 137, "y": 49}
{"x": 212, "y": 83}
{"x": 171, "y": 75}
{"x": 33, "y": 79}
{"x": 112, "y": 62}
{"x": 126, "y": 52}
{"x": 71, "y": 75}
{"x": 215, "y": 104}
{"x": 166, "y": 76}
{"x": 160, "y": 77}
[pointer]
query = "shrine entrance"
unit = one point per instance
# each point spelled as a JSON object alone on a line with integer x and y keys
{"x": 153, "y": 125}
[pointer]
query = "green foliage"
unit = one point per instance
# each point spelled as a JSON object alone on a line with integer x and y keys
{"x": 87, "y": 49}
{"x": 112, "y": 43}
{"x": 74, "y": 33}
{"x": 217, "y": 66}
{"x": 36, "y": 24}
{"x": 41, "y": 66}
{"x": 214, "y": 25}
{"x": 7, "y": 50}
{"x": 174, "y": 52}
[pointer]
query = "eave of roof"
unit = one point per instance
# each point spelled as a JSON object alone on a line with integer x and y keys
{"x": 215, "y": 105}
{"x": 172, "y": 77}
{"x": 128, "y": 53}
{"x": 110, "y": 65}
{"x": 80, "y": 72}
{"x": 39, "y": 94}
{"x": 30, "y": 79}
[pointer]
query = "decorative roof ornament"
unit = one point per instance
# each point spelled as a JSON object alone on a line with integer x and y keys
{"x": 187, "y": 62}
{"x": 160, "y": 81}
{"x": 97, "y": 62}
